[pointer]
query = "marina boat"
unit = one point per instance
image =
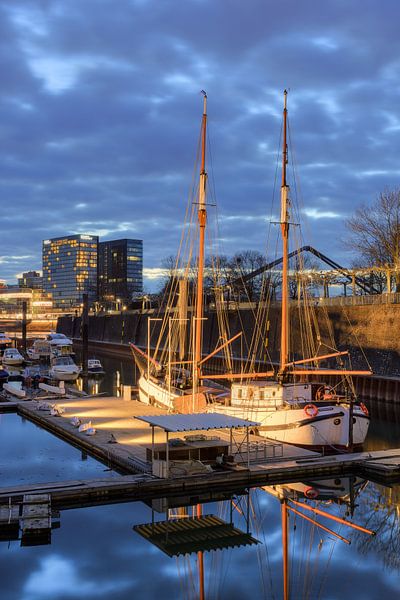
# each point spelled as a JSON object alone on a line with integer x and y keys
{"x": 289, "y": 407}
{"x": 166, "y": 383}
{"x": 40, "y": 350}
{"x": 5, "y": 340}
{"x": 63, "y": 368}
{"x": 55, "y": 344}
{"x": 60, "y": 345}
{"x": 11, "y": 356}
{"x": 95, "y": 367}
{"x": 291, "y": 401}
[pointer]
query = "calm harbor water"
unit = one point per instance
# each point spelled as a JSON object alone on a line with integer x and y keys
{"x": 97, "y": 553}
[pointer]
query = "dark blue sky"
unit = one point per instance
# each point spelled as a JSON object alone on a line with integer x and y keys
{"x": 100, "y": 114}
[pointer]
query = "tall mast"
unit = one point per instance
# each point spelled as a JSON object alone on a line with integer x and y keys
{"x": 284, "y": 222}
{"x": 202, "y": 220}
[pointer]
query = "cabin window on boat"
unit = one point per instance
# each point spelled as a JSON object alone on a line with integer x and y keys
{"x": 239, "y": 393}
{"x": 261, "y": 394}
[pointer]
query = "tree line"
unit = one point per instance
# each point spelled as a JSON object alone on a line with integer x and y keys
{"x": 373, "y": 236}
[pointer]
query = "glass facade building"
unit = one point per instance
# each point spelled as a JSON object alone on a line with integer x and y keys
{"x": 70, "y": 269}
{"x": 120, "y": 270}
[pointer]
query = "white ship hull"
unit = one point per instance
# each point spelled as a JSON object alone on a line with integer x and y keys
{"x": 329, "y": 427}
{"x": 153, "y": 393}
{"x": 14, "y": 362}
{"x": 60, "y": 375}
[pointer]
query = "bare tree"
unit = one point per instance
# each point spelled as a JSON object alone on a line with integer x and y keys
{"x": 375, "y": 231}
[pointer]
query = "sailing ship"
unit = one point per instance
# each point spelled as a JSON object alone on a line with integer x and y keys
{"x": 289, "y": 407}
{"x": 173, "y": 385}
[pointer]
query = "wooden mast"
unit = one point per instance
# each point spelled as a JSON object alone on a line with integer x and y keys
{"x": 284, "y": 222}
{"x": 202, "y": 220}
{"x": 285, "y": 548}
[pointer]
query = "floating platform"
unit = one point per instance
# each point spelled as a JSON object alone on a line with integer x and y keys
{"x": 122, "y": 441}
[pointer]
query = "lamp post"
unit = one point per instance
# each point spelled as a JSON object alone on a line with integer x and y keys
{"x": 149, "y": 319}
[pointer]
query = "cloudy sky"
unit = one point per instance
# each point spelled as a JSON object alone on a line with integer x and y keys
{"x": 100, "y": 115}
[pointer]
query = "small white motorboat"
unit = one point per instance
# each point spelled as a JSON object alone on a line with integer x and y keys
{"x": 95, "y": 367}
{"x": 63, "y": 368}
{"x": 12, "y": 356}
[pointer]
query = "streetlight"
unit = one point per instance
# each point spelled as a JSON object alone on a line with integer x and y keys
{"x": 149, "y": 319}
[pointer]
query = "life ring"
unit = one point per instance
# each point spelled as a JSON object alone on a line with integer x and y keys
{"x": 364, "y": 409}
{"x": 311, "y": 493}
{"x": 311, "y": 410}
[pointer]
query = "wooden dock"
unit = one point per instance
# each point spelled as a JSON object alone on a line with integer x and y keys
{"x": 378, "y": 466}
{"x": 121, "y": 441}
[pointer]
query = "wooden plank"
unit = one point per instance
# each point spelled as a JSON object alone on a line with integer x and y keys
{"x": 30, "y": 511}
{"x": 9, "y": 513}
{"x": 33, "y": 525}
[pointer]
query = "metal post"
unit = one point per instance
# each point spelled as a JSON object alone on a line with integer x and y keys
{"x": 169, "y": 358}
{"x": 24, "y": 305}
{"x": 248, "y": 512}
{"x": 148, "y": 361}
{"x": 248, "y": 448}
{"x": 152, "y": 447}
{"x": 85, "y": 339}
{"x": 167, "y": 454}
{"x": 149, "y": 319}
{"x": 85, "y": 332}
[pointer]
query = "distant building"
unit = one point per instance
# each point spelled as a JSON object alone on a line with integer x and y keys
{"x": 120, "y": 273}
{"x": 32, "y": 280}
{"x": 70, "y": 269}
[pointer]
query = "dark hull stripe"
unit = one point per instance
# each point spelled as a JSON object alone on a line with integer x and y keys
{"x": 304, "y": 422}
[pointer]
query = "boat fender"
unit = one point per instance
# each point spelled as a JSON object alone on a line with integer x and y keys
{"x": 311, "y": 410}
{"x": 364, "y": 409}
{"x": 311, "y": 493}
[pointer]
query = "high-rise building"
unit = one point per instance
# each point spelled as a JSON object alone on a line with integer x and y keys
{"x": 70, "y": 269}
{"x": 120, "y": 273}
{"x": 32, "y": 280}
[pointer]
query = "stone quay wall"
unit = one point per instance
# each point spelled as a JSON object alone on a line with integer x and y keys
{"x": 370, "y": 333}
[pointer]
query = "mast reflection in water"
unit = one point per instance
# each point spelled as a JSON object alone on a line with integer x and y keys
{"x": 100, "y": 551}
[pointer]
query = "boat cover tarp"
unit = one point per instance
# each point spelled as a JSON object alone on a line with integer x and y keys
{"x": 196, "y": 421}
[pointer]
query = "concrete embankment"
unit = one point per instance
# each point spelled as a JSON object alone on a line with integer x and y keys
{"x": 372, "y": 331}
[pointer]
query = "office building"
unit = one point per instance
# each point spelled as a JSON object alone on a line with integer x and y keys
{"x": 120, "y": 273}
{"x": 70, "y": 269}
{"x": 32, "y": 280}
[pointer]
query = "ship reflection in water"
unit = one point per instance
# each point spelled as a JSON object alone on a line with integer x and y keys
{"x": 311, "y": 539}
{"x": 243, "y": 548}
